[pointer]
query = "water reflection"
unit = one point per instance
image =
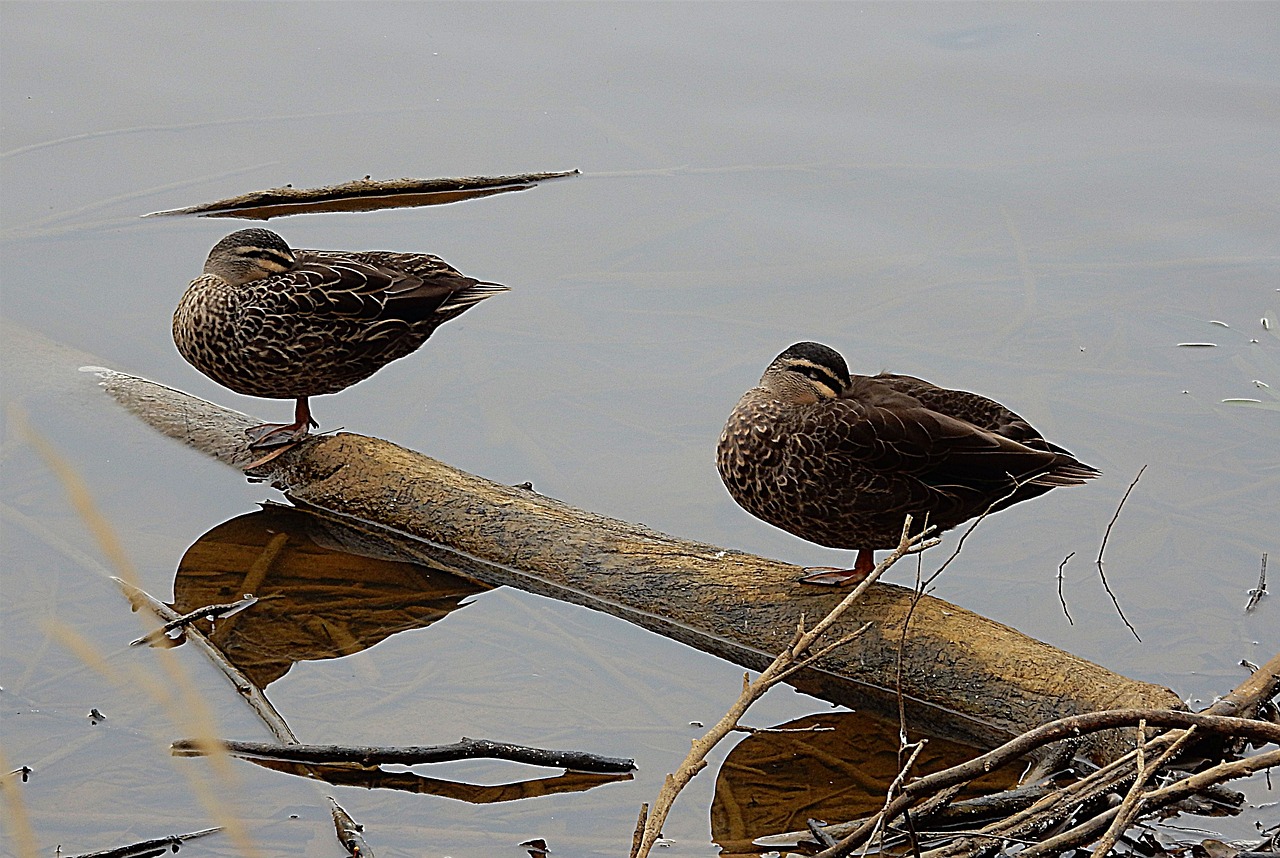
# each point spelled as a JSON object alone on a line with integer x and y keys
{"x": 324, "y": 591}
{"x": 833, "y": 767}
{"x": 374, "y": 777}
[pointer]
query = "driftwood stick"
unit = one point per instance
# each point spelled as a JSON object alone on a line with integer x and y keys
{"x": 972, "y": 679}
{"x": 350, "y": 832}
{"x": 362, "y": 195}
{"x": 252, "y": 695}
{"x": 149, "y": 847}
{"x": 1256, "y": 593}
{"x": 467, "y": 749}
{"x": 1262, "y": 685}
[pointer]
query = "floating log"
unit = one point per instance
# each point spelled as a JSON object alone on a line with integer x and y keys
{"x": 962, "y": 676}
{"x": 363, "y": 195}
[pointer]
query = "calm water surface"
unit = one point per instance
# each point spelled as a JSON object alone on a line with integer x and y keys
{"x": 1034, "y": 202}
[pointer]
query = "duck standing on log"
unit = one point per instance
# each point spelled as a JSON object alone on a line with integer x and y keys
{"x": 840, "y": 460}
{"x": 266, "y": 320}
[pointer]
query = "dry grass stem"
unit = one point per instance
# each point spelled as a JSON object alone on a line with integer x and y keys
{"x": 19, "y": 833}
{"x": 190, "y": 710}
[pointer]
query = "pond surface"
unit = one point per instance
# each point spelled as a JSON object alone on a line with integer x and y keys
{"x": 1038, "y": 203}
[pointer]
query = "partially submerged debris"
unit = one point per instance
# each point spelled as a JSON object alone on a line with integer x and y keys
{"x": 363, "y": 195}
{"x": 365, "y": 755}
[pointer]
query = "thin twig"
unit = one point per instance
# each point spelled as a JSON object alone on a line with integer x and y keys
{"x": 212, "y": 612}
{"x": 638, "y": 834}
{"x": 1103, "y": 547}
{"x": 1062, "y": 598}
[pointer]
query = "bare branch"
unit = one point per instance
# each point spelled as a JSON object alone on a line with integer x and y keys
{"x": 467, "y": 749}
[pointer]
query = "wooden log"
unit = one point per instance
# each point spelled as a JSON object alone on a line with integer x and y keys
{"x": 967, "y": 677}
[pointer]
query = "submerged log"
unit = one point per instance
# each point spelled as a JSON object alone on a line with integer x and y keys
{"x": 962, "y": 675}
{"x": 363, "y": 195}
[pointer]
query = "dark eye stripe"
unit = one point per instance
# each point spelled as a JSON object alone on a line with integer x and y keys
{"x": 819, "y": 374}
{"x": 267, "y": 255}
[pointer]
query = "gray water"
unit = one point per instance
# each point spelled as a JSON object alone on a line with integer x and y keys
{"x": 1038, "y": 203}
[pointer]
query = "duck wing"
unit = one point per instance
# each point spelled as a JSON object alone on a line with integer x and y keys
{"x": 991, "y": 416}
{"x": 896, "y": 450}
{"x": 377, "y": 286}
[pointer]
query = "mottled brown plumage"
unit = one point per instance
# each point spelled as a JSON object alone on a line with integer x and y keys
{"x": 840, "y": 460}
{"x": 266, "y": 320}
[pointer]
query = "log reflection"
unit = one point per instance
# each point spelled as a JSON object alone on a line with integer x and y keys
{"x": 773, "y": 782}
{"x": 324, "y": 591}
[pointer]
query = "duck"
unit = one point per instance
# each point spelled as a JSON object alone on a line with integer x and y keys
{"x": 264, "y": 319}
{"x": 840, "y": 460}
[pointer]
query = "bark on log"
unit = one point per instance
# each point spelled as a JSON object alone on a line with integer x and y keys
{"x": 964, "y": 676}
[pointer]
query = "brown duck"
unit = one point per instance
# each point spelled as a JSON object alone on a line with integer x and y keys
{"x": 266, "y": 320}
{"x": 840, "y": 460}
